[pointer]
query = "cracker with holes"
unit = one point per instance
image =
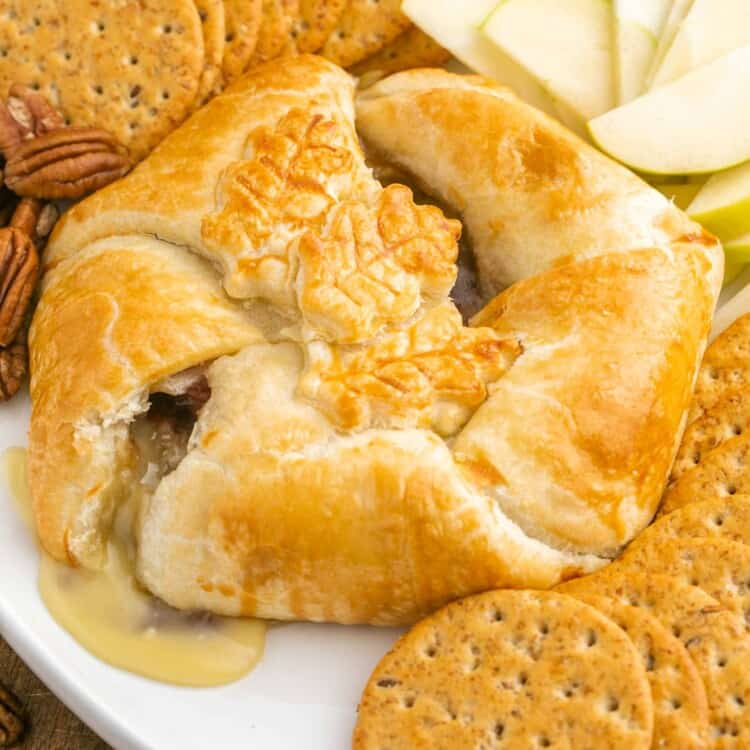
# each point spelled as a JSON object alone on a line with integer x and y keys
{"x": 130, "y": 67}
{"x": 509, "y": 669}
{"x": 718, "y": 566}
{"x": 728, "y": 418}
{"x": 211, "y": 13}
{"x": 715, "y": 639}
{"x": 726, "y": 366}
{"x": 242, "y": 21}
{"x": 412, "y": 49}
{"x": 722, "y": 473}
{"x": 317, "y": 21}
{"x": 722, "y": 517}
{"x": 275, "y": 33}
{"x": 680, "y": 705}
{"x": 364, "y": 28}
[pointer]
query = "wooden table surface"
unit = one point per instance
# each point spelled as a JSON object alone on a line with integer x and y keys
{"x": 49, "y": 725}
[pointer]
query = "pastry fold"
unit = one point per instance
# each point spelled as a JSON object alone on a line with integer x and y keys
{"x": 360, "y": 455}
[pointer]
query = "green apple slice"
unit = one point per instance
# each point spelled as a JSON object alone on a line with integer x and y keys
{"x": 738, "y": 251}
{"x": 677, "y": 13}
{"x": 700, "y": 123}
{"x": 456, "y": 27}
{"x": 566, "y": 45}
{"x": 723, "y": 205}
{"x": 637, "y": 27}
{"x": 711, "y": 29}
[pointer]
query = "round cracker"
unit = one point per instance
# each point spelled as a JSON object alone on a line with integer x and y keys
{"x": 412, "y": 49}
{"x": 726, "y": 366}
{"x": 508, "y": 669}
{"x": 714, "y": 637}
{"x": 275, "y": 33}
{"x": 722, "y": 517}
{"x": 364, "y": 28}
{"x": 679, "y": 698}
{"x": 722, "y": 473}
{"x": 718, "y": 566}
{"x": 242, "y": 19}
{"x": 211, "y": 13}
{"x": 130, "y": 68}
{"x": 728, "y": 418}
{"x": 317, "y": 21}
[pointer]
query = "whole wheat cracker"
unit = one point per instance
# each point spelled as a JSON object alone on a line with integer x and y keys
{"x": 714, "y": 636}
{"x": 722, "y": 473}
{"x": 720, "y": 517}
{"x": 242, "y": 19}
{"x": 125, "y": 66}
{"x": 680, "y": 704}
{"x": 509, "y": 669}
{"x": 364, "y": 28}
{"x": 412, "y": 49}
{"x": 275, "y": 33}
{"x": 718, "y": 566}
{"x": 317, "y": 20}
{"x": 726, "y": 365}
{"x": 211, "y": 13}
{"x": 727, "y": 418}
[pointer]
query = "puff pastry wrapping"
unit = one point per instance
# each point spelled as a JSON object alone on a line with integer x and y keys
{"x": 364, "y": 456}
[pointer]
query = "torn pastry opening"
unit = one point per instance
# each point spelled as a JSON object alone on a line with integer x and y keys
{"x": 162, "y": 433}
{"x": 466, "y": 293}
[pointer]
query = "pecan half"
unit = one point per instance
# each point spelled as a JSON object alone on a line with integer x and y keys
{"x": 12, "y": 723}
{"x": 45, "y": 159}
{"x": 35, "y": 219}
{"x": 66, "y": 163}
{"x": 20, "y": 244}
{"x": 19, "y": 270}
{"x": 14, "y": 364}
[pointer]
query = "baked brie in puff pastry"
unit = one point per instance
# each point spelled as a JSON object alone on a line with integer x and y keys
{"x": 325, "y": 438}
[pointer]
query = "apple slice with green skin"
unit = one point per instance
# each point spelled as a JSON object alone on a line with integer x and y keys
{"x": 637, "y": 27}
{"x": 711, "y": 29}
{"x": 723, "y": 205}
{"x": 677, "y": 13}
{"x": 738, "y": 251}
{"x": 456, "y": 27}
{"x": 566, "y": 45}
{"x": 698, "y": 124}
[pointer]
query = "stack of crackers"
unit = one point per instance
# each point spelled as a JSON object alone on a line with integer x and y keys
{"x": 138, "y": 68}
{"x": 651, "y": 652}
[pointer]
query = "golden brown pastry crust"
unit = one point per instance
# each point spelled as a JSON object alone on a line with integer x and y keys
{"x": 118, "y": 316}
{"x": 364, "y": 457}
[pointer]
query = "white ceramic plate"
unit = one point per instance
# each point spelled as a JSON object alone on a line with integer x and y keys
{"x": 302, "y": 695}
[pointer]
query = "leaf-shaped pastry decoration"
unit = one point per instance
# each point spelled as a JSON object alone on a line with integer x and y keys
{"x": 432, "y": 373}
{"x": 372, "y": 266}
{"x": 296, "y": 172}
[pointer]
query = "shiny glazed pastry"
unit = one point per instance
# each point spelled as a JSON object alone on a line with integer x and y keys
{"x": 256, "y": 336}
